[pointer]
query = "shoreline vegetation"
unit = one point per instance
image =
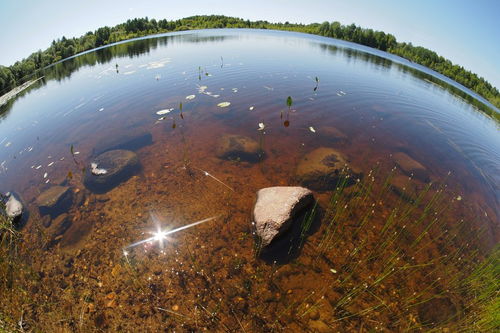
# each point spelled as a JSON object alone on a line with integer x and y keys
{"x": 27, "y": 69}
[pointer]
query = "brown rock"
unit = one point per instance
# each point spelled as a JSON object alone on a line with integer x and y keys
{"x": 319, "y": 326}
{"x": 405, "y": 187}
{"x": 59, "y": 225}
{"x": 238, "y": 147}
{"x": 332, "y": 133}
{"x": 436, "y": 311}
{"x": 55, "y": 200}
{"x": 411, "y": 167}
{"x": 323, "y": 169}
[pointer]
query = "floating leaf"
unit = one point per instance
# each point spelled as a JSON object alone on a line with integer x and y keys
{"x": 190, "y": 97}
{"x": 223, "y": 104}
{"x": 165, "y": 111}
{"x": 286, "y": 123}
{"x": 251, "y": 108}
{"x": 312, "y": 129}
{"x": 261, "y": 127}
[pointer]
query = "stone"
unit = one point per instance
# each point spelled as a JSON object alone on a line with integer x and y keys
{"x": 405, "y": 187}
{"x": 332, "y": 134}
{"x": 238, "y": 147}
{"x": 119, "y": 166}
{"x": 46, "y": 221}
{"x": 319, "y": 326}
{"x": 59, "y": 225}
{"x": 436, "y": 311}
{"x": 55, "y": 200}
{"x": 129, "y": 141}
{"x": 275, "y": 209}
{"x": 13, "y": 207}
{"x": 409, "y": 166}
{"x": 323, "y": 168}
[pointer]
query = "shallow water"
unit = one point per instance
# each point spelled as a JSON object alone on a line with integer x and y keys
{"x": 211, "y": 275}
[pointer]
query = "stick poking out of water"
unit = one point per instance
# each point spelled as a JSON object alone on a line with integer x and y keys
{"x": 206, "y": 173}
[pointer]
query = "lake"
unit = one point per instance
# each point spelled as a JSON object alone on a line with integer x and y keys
{"x": 381, "y": 251}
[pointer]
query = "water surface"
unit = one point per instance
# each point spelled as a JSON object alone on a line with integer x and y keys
{"x": 211, "y": 275}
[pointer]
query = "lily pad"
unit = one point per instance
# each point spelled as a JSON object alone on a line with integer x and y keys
{"x": 223, "y": 104}
{"x": 165, "y": 111}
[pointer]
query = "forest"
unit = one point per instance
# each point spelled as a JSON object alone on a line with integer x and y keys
{"x": 62, "y": 48}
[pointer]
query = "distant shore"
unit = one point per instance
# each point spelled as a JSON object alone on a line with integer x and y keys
{"x": 12, "y": 93}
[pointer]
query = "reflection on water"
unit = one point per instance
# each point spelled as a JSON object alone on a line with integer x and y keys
{"x": 187, "y": 127}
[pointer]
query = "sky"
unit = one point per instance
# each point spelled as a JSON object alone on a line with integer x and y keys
{"x": 465, "y": 31}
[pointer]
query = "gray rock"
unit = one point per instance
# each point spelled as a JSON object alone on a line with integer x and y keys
{"x": 119, "y": 165}
{"x": 55, "y": 200}
{"x": 275, "y": 209}
{"x": 13, "y": 207}
{"x": 238, "y": 147}
{"x": 323, "y": 169}
{"x": 409, "y": 166}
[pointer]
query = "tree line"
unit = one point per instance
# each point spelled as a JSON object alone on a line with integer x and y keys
{"x": 62, "y": 48}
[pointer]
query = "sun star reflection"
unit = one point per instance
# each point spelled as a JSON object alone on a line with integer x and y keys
{"x": 161, "y": 235}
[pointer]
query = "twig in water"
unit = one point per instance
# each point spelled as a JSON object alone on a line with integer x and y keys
{"x": 215, "y": 178}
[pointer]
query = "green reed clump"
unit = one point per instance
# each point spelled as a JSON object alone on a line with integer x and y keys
{"x": 390, "y": 255}
{"x": 482, "y": 287}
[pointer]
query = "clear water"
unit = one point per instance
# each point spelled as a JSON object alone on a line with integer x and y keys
{"x": 211, "y": 275}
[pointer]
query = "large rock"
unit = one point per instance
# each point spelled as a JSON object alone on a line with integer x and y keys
{"x": 55, "y": 200}
{"x": 13, "y": 207}
{"x": 238, "y": 147}
{"x": 128, "y": 141}
{"x": 275, "y": 209}
{"x": 411, "y": 167}
{"x": 323, "y": 169}
{"x": 110, "y": 169}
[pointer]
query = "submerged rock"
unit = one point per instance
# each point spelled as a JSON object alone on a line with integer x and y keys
{"x": 409, "y": 166}
{"x": 333, "y": 134}
{"x": 275, "y": 209}
{"x": 55, "y": 200}
{"x": 238, "y": 147}
{"x": 323, "y": 169}
{"x": 119, "y": 165}
{"x": 405, "y": 187}
{"x": 128, "y": 141}
{"x": 436, "y": 311}
{"x": 59, "y": 225}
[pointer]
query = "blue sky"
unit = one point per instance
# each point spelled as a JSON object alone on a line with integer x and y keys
{"x": 465, "y": 31}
